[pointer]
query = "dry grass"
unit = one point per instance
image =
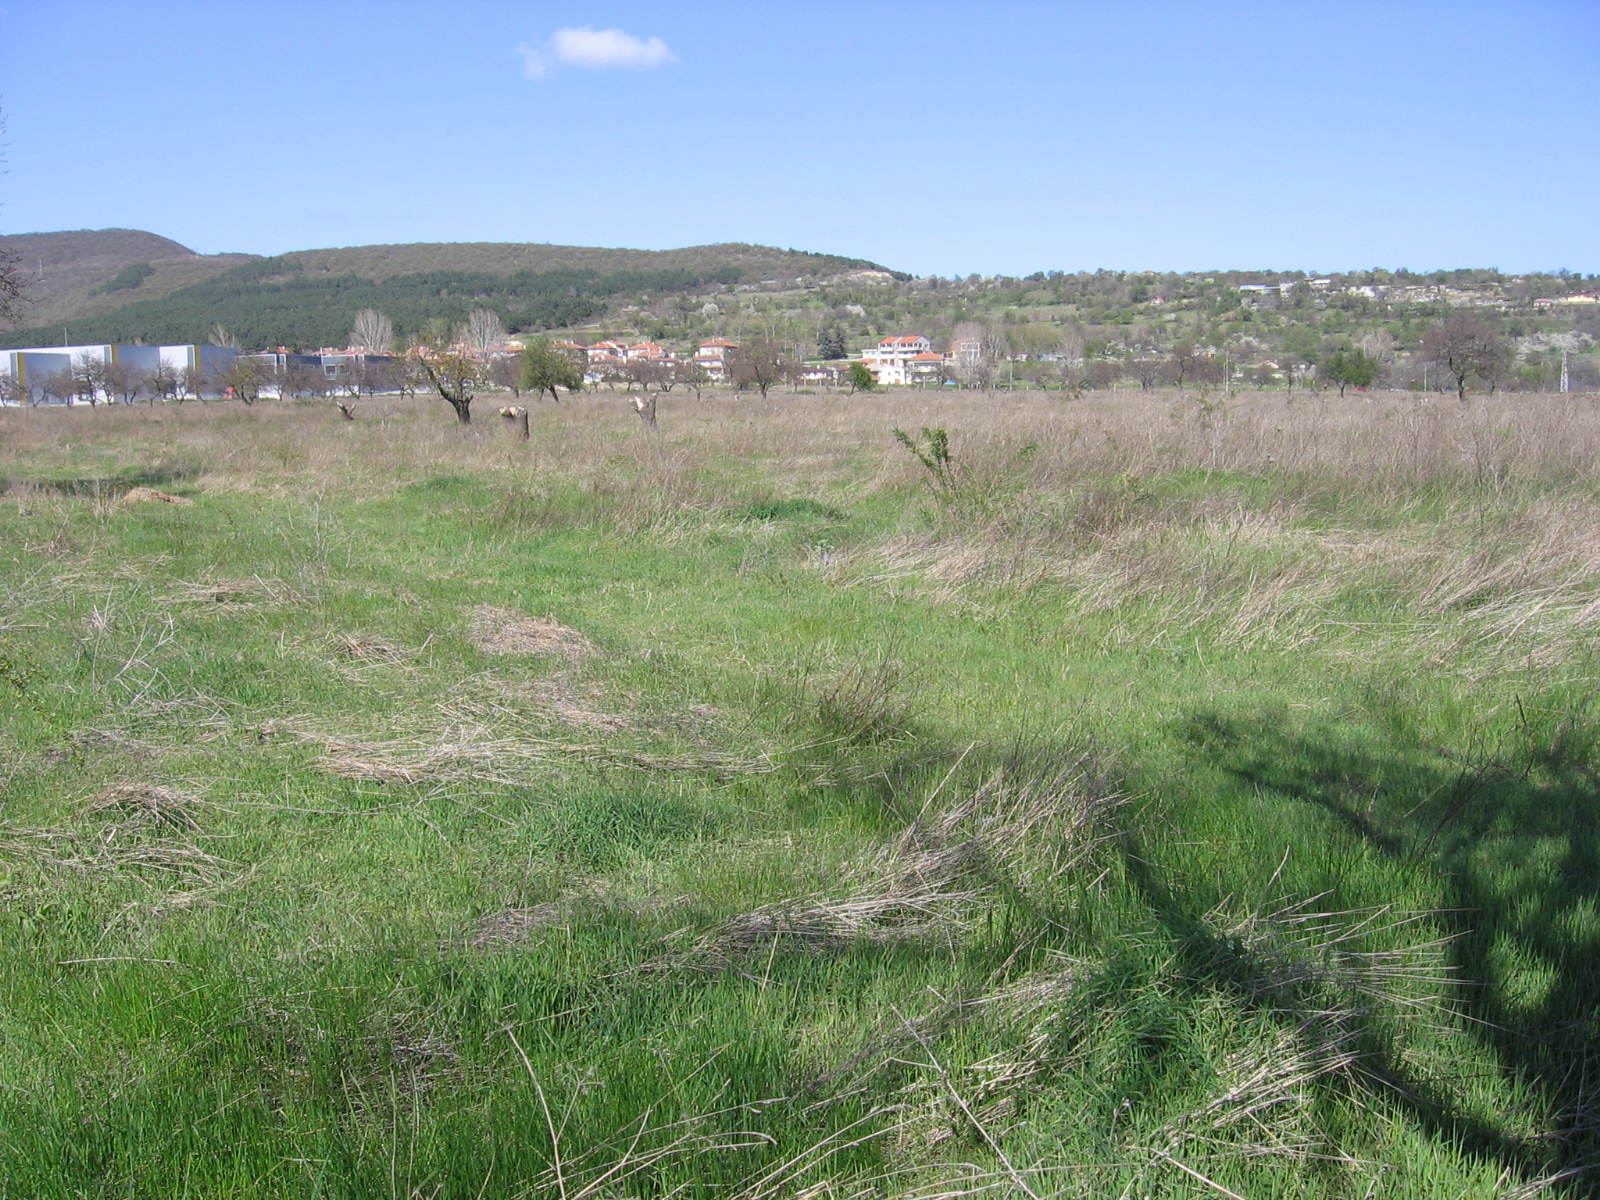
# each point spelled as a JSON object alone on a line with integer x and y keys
{"x": 1023, "y": 828}
{"x": 1384, "y": 441}
{"x": 138, "y": 828}
{"x": 364, "y": 648}
{"x": 476, "y": 755}
{"x": 145, "y": 495}
{"x": 505, "y": 631}
{"x": 140, "y": 804}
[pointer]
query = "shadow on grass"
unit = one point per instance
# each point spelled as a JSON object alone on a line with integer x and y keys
{"x": 1512, "y": 838}
{"x": 112, "y": 484}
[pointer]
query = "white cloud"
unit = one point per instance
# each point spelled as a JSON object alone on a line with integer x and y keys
{"x": 594, "y": 50}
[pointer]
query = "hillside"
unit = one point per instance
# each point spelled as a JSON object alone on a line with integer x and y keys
{"x": 124, "y": 285}
{"x": 90, "y": 272}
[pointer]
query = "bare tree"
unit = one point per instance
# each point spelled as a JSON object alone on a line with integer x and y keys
{"x": 373, "y": 330}
{"x": 407, "y": 373}
{"x": 62, "y": 386}
{"x": 353, "y": 376}
{"x": 693, "y": 376}
{"x": 506, "y": 373}
{"x": 483, "y": 331}
{"x": 11, "y": 389}
{"x": 90, "y": 371}
{"x": 163, "y": 382}
{"x": 125, "y": 380}
{"x": 244, "y": 379}
{"x": 757, "y": 363}
{"x": 1378, "y": 345}
{"x": 14, "y": 283}
{"x": 1147, "y": 369}
{"x": 192, "y": 381}
{"x": 647, "y": 373}
{"x": 1099, "y": 374}
{"x": 221, "y": 337}
{"x": 1466, "y": 349}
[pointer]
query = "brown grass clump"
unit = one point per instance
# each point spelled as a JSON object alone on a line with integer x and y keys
{"x": 1023, "y": 828}
{"x": 149, "y": 495}
{"x": 140, "y": 836}
{"x": 513, "y": 926}
{"x": 506, "y": 631}
{"x": 141, "y": 804}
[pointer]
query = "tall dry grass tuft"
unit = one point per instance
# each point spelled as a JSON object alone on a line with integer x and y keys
{"x": 1021, "y": 829}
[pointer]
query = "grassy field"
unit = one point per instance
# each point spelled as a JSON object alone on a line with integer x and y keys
{"x": 1162, "y": 796}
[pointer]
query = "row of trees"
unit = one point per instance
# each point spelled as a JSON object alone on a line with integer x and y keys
{"x": 91, "y": 380}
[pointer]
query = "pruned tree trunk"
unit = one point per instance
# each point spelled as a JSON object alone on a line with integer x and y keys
{"x": 516, "y": 420}
{"x": 645, "y": 406}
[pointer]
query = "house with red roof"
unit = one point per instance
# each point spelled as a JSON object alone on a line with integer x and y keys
{"x": 712, "y": 356}
{"x": 903, "y": 358}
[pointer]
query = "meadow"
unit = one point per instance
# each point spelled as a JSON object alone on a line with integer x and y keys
{"x": 1156, "y": 795}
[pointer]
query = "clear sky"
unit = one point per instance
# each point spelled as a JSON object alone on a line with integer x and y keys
{"x": 936, "y": 138}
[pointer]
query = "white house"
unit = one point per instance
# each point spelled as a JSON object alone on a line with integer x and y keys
{"x": 712, "y": 356}
{"x": 891, "y": 360}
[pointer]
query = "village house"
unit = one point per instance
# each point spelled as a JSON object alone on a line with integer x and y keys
{"x": 890, "y": 361}
{"x": 712, "y": 357}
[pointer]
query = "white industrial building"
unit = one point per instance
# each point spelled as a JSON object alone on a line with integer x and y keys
{"x": 32, "y": 367}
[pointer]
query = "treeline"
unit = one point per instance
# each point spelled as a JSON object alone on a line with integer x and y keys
{"x": 274, "y": 302}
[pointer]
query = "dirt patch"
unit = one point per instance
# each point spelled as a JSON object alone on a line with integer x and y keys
{"x": 148, "y": 495}
{"x": 506, "y": 631}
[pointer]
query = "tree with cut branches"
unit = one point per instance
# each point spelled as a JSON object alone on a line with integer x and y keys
{"x": 454, "y": 375}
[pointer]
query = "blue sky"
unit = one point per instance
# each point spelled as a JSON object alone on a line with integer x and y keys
{"x": 934, "y": 138}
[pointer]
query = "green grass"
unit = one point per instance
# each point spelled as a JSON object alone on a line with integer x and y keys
{"x": 578, "y": 954}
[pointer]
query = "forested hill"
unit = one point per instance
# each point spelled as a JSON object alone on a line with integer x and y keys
{"x": 309, "y": 298}
{"x": 91, "y": 272}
